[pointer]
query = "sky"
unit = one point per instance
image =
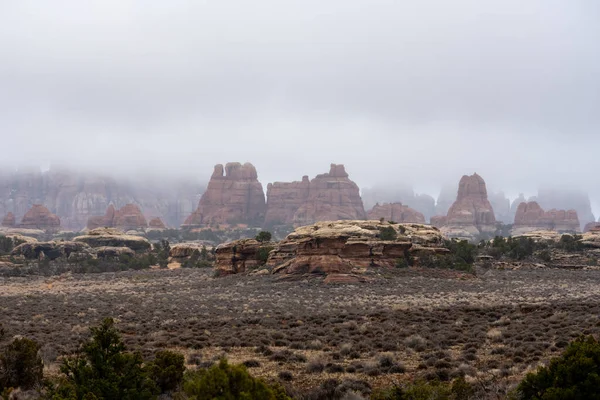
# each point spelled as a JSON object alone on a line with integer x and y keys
{"x": 411, "y": 92}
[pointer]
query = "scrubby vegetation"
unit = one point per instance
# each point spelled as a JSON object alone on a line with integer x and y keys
{"x": 263, "y": 236}
{"x": 387, "y": 233}
{"x": 573, "y": 375}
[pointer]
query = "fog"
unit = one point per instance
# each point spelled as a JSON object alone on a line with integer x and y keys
{"x": 407, "y": 92}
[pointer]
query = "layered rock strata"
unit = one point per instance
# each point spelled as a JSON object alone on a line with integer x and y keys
{"x": 233, "y": 196}
{"x": 396, "y": 212}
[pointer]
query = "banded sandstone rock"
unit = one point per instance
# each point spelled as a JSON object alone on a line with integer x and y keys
{"x": 233, "y": 196}
{"x": 531, "y": 217}
{"x": 39, "y": 217}
{"x": 396, "y": 212}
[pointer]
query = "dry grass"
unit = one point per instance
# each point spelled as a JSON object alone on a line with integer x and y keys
{"x": 498, "y": 325}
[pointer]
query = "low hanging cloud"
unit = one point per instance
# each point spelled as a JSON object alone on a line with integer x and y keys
{"x": 399, "y": 91}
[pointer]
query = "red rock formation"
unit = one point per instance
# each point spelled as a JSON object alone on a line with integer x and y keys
{"x": 439, "y": 221}
{"x": 74, "y": 196}
{"x": 39, "y": 217}
{"x": 471, "y": 214}
{"x": 396, "y": 212}
{"x": 332, "y": 196}
{"x": 128, "y": 217}
{"x": 103, "y": 221}
{"x": 9, "y": 220}
{"x": 284, "y": 199}
{"x": 156, "y": 223}
{"x": 530, "y": 217}
{"x": 233, "y": 197}
{"x": 592, "y": 227}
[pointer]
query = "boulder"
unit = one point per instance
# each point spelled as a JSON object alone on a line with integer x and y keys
{"x": 233, "y": 196}
{"x": 110, "y": 237}
{"x": 63, "y": 250}
{"x": 351, "y": 247}
{"x": 332, "y": 196}
{"x": 239, "y": 256}
{"x": 471, "y": 214}
{"x": 39, "y": 217}
{"x": 181, "y": 252}
{"x": 9, "y": 220}
{"x": 113, "y": 253}
{"x": 531, "y": 217}
{"x": 395, "y": 212}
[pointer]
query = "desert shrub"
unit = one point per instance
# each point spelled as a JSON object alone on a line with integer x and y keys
{"x": 428, "y": 390}
{"x": 225, "y": 381}
{"x": 545, "y": 255}
{"x": 513, "y": 248}
{"x": 162, "y": 249}
{"x": 402, "y": 263}
{"x": 20, "y": 364}
{"x": 573, "y": 375}
{"x": 6, "y": 245}
{"x": 262, "y": 255}
{"x": 104, "y": 369}
{"x": 263, "y": 236}
{"x": 387, "y": 233}
{"x": 570, "y": 243}
{"x": 167, "y": 370}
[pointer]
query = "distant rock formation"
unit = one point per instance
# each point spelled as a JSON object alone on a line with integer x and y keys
{"x": 39, "y": 217}
{"x": 128, "y": 217}
{"x": 332, "y": 196}
{"x": 501, "y": 205}
{"x": 74, "y": 196}
{"x": 395, "y": 212}
{"x": 592, "y": 226}
{"x": 445, "y": 199}
{"x": 284, "y": 199}
{"x": 471, "y": 214}
{"x": 515, "y": 205}
{"x": 233, "y": 196}
{"x": 531, "y": 217}
{"x": 156, "y": 223}
{"x": 423, "y": 203}
{"x": 564, "y": 199}
{"x": 9, "y": 220}
{"x": 439, "y": 221}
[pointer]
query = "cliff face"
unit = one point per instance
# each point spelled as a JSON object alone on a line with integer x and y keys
{"x": 396, "y": 212}
{"x": 284, "y": 199}
{"x": 233, "y": 196}
{"x": 567, "y": 200}
{"x": 331, "y": 197}
{"x": 472, "y": 213}
{"x": 531, "y": 217}
{"x": 75, "y": 196}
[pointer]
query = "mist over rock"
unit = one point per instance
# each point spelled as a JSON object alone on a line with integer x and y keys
{"x": 396, "y": 212}
{"x": 332, "y": 196}
{"x": 565, "y": 199}
{"x": 501, "y": 205}
{"x": 233, "y": 196}
{"x": 515, "y": 205}
{"x": 156, "y": 223}
{"x": 128, "y": 217}
{"x": 74, "y": 196}
{"x": 531, "y": 217}
{"x": 423, "y": 203}
{"x": 471, "y": 214}
{"x": 445, "y": 199}
{"x": 9, "y": 220}
{"x": 39, "y": 217}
